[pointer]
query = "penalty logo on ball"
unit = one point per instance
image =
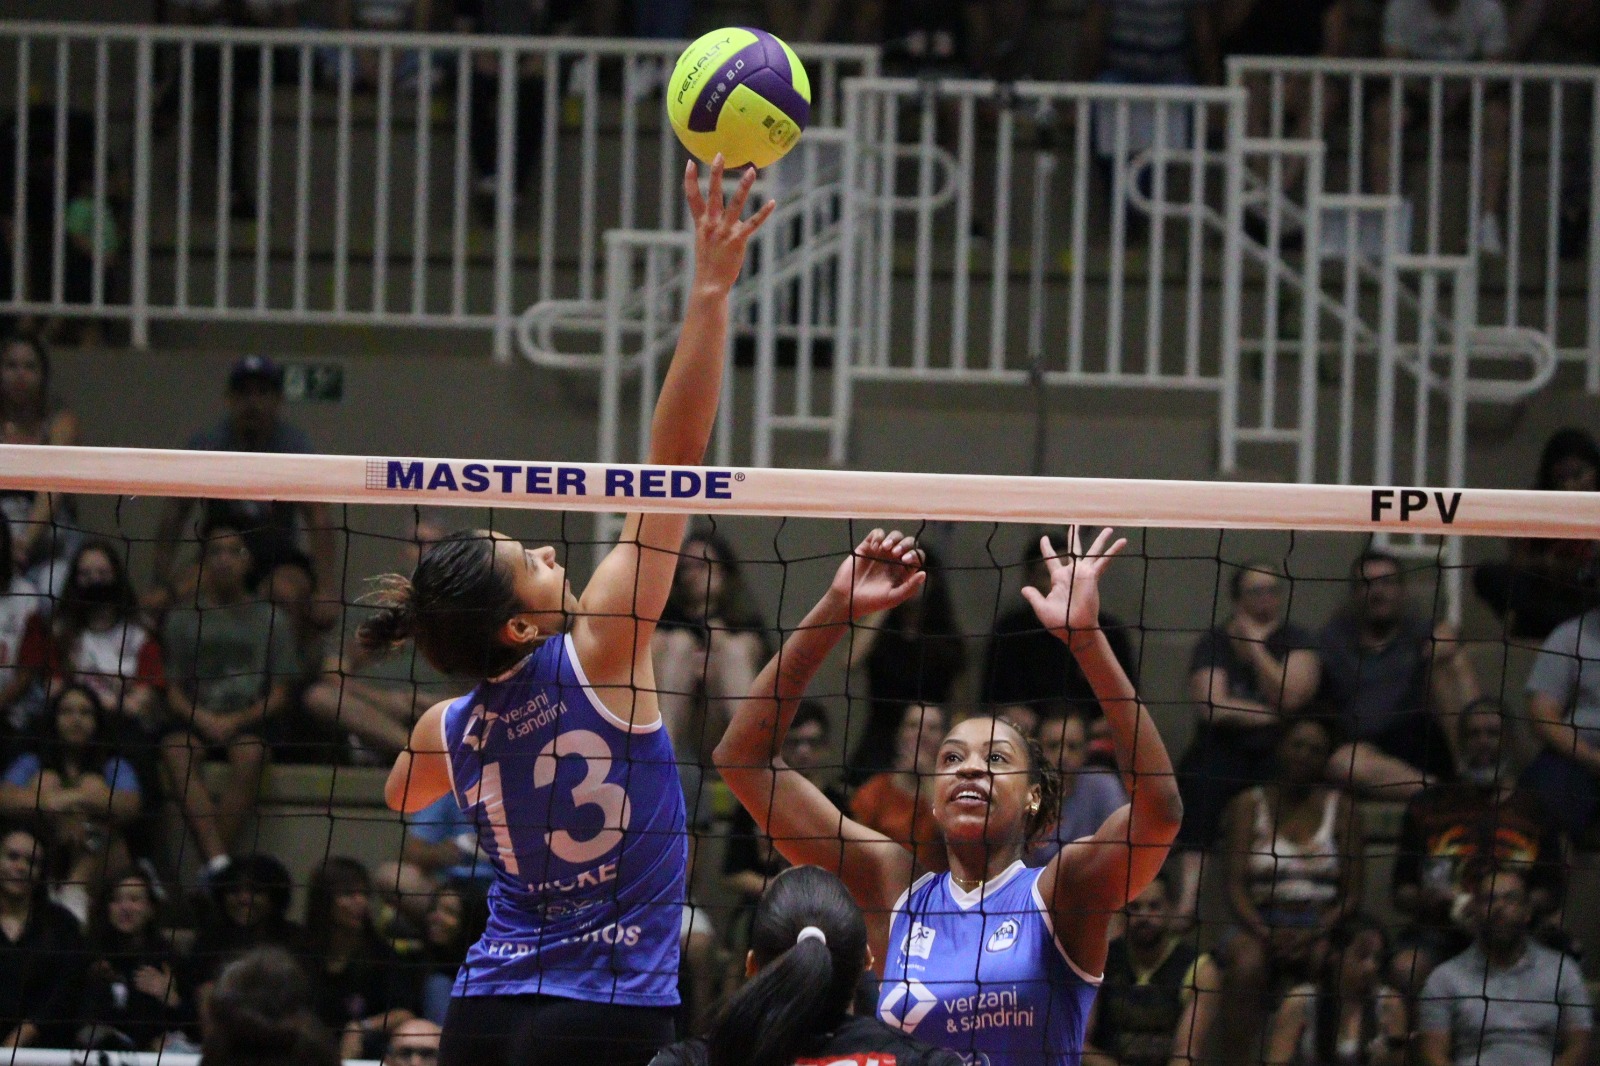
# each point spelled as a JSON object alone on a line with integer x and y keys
{"x": 741, "y": 92}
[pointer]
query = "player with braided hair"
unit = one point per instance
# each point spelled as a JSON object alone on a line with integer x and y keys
{"x": 992, "y": 959}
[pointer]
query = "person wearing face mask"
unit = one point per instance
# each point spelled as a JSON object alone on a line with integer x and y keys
{"x": 1448, "y": 828}
{"x": 97, "y": 639}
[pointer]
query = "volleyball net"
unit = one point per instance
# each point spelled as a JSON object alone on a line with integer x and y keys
{"x": 1390, "y": 619}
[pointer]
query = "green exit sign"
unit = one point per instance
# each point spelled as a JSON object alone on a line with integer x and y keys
{"x": 306, "y": 382}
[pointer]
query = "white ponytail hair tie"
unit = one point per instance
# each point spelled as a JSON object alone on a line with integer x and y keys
{"x": 811, "y": 932}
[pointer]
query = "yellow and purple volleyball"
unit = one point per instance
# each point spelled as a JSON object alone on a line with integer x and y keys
{"x": 741, "y": 92}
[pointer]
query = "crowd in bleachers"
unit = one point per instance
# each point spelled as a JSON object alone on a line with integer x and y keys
{"x": 117, "y": 693}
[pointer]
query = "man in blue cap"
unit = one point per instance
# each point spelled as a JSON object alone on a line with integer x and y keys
{"x": 271, "y": 529}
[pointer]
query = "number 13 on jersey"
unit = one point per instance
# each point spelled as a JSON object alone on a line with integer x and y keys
{"x": 488, "y": 795}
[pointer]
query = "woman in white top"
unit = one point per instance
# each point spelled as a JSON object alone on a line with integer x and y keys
{"x": 1294, "y": 864}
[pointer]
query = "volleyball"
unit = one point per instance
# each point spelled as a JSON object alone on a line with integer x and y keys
{"x": 741, "y": 92}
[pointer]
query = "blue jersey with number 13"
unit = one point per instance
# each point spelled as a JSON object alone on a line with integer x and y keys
{"x": 583, "y": 818}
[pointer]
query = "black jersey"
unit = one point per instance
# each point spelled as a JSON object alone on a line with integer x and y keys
{"x": 858, "y": 1042}
{"x": 1139, "y": 1012}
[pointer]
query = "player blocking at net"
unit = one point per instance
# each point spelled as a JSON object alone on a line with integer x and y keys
{"x": 992, "y": 959}
{"x": 558, "y": 754}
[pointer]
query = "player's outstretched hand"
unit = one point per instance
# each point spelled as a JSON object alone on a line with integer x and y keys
{"x": 884, "y": 571}
{"x": 1071, "y": 610}
{"x": 720, "y": 230}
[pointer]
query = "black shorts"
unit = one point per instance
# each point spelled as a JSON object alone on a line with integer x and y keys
{"x": 551, "y": 1031}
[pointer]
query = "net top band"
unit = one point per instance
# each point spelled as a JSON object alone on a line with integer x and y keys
{"x": 798, "y": 493}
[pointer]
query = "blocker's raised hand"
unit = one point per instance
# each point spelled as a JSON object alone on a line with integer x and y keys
{"x": 884, "y": 571}
{"x": 720, "y": 230}
{"x": 1071, "y": 610}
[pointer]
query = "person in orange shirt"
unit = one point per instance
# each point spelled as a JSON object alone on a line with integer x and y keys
{"x": 899, "y": 803}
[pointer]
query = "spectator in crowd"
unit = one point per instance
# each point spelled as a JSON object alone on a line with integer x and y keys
{"x": 1450, "y": 30}
{"x": 231, "y": 657}
{"x": 1395, "y": 684}
{"x": 210, "y": 90}
{"x": 97, "y": 639}
{"x": 291, "y": 589}
{"x": 1089, "y": 795}
{"x": 1449, "y": 830}
{"x": 83, "y": 793}
{"x": 899, "y": 803}
{"x": 359, "y": 989}
{"x": 912, "y": 654}
{"x": 1027, "y": 666}
{"x": 131, "y": 999}
{"x": 93, "y": 236}
{"x": 441, "y": 844}
{"x": 1347, "y": 1016}
{"x": 1247, "y": 677}
{"x": 375, "y": 698}
{"x": 1294, "y": 866}
{"x": 259, "y": 1014}
{"x": 711, "y": 642}
{"x": 1296, "y": 28}
{"x": 390, "y": 15}
{"x": 1545, "y": 582}
{"x": 254, "y": 424}
{"x": 1507, "y": 1000}
{"x": 1564, "y": 706}
{"x": 1150, "y": 42}
{"x": 1159, "y": 996}
{"x": 413, "y": 1043}
{"x": 41, "y": 948}
{"x": 21, "y": 697}
{"x": 751, "y": 862}
{"x": 703, "y": 963}
{"x": 249, "y": 908}
{"x": 505, "y": 18}
{"x": 457, "y": 914}
{"x": 29, "y": 415}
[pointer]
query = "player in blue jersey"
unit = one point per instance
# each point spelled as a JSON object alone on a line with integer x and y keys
{"x": 558, "y": 755}
{"x": 993, "y": 960}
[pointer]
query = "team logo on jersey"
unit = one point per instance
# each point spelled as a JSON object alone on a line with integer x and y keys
{"x": 907, "y": 1003}
{"x": 919, "y": 942}
{"x": 1003, "y": 937}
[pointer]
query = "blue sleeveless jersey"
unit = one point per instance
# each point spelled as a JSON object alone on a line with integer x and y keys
{"x": 981, "y": 973}
{"x": 582, "y": 818}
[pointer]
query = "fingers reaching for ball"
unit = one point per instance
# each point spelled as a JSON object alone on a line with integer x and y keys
{"x": 721, "y": 231}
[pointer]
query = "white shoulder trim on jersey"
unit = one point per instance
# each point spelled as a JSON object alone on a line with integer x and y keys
{"x": 966, "y": 898}
{"x": 1049, "y": 923}
{"x": 594, "y": 697}
{"x": 900, "y": 904}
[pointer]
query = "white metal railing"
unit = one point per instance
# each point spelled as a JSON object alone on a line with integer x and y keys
{"x": 1442, "y": 163}
{"x": 267, "y": 182}
{"x": 980, "y": 170}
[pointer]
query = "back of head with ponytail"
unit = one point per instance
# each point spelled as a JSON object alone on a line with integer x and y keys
{"x": 804, "y": 986}
{"x": 454, "y": 606}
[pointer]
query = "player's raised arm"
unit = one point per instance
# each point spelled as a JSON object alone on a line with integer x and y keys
{"x": 804, "y": 824}
{"x": 623, "y": 601}
{"x": 1089, "y": 880}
